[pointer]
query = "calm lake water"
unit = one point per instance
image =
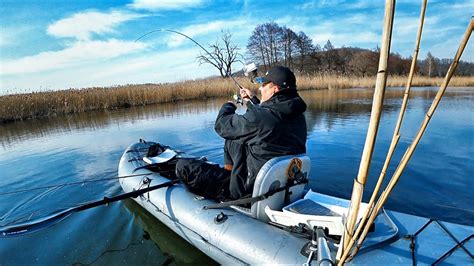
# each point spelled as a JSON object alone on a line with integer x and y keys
{"x": 437, "y": 183}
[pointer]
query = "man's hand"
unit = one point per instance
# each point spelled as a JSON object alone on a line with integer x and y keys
{"x": 245, "y": 94}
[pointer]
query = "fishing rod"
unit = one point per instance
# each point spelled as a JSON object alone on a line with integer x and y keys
{"x": 249, "y": 70}
{"x": 57, "y": 216}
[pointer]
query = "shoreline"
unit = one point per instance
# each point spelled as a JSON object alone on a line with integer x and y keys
{"x": 50, "y": 103}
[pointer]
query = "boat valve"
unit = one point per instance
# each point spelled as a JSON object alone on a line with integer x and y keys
{"x": 220, "y": 218}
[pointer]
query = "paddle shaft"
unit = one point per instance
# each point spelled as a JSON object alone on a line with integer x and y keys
{"x": 42, "y": 223}
{"x": 132, "y": 194}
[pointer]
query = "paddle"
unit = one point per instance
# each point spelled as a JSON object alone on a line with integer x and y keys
{"x": 56, "y": 217}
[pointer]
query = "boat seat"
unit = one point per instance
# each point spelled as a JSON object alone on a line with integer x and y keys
{"x": 272, "y": 175}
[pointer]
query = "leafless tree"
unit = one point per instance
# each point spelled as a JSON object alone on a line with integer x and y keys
{"x": 363, "y": 63}
{"x": 223, "y": 53}
{"x": 304, "y": 50}
{"x": 288, "y": 39}
{"x": 263, "y": 45}
{"x": 272, "y": 44}
{"x": 431, "y": 65}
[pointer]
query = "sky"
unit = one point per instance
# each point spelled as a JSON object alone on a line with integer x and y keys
{"x": 58, "y": 44}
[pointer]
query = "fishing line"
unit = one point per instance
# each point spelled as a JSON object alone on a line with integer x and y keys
{"x": 217, "y": 62}
{"x": 71, "y": 184}
{"x": 29, "y": 216}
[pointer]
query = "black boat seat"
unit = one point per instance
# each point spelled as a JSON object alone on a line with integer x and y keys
{"x": 273, "y": 174}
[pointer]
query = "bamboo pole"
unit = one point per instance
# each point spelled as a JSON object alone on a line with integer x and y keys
{"x": 395, "y": 137}
{"x": 377, "y": 105}
{"x": 409, "y": 152}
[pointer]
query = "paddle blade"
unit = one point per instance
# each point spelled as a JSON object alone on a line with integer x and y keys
{"x": 35, "y": 225}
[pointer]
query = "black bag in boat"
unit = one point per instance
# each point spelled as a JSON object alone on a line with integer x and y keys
{"x": 155, "y": 150}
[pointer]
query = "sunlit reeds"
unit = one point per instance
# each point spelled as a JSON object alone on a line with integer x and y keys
{"x": 345, "y": 82}
{"x": 42, "y": 104}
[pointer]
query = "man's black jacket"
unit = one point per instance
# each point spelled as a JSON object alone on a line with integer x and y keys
{"x": 274, "y": 128}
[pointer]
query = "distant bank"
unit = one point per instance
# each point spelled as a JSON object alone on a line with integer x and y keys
{"x": 43, "y": 104}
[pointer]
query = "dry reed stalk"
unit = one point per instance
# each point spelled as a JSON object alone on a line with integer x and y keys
{"x": 409, "y": 152}
{"x": 393, "y": 143}
{"x": 375, "y": 114}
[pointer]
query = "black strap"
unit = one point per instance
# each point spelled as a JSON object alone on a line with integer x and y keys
{"x": 460, "y": 244}
{"x": 254, "y": 199}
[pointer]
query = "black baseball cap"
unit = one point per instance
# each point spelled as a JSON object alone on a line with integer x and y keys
{"x": 281, "y": 76}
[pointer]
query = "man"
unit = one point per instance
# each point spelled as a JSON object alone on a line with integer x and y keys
{"x": 275, "y": 127}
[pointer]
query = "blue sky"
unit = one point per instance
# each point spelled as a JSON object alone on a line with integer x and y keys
{"x": 58, "y": 44}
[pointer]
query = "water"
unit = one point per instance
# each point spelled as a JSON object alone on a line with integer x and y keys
{"x": 437, "y": 182}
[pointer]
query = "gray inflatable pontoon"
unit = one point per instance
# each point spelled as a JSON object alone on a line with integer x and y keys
{"x": 274, "y": 232}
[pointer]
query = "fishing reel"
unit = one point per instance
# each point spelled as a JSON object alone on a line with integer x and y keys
{"x": 250, "y": 70}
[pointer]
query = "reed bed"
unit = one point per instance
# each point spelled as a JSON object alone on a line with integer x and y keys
{"x": 41, "y": 104}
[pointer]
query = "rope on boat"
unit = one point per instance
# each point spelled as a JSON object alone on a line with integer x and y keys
{"x": 459, "y": 244}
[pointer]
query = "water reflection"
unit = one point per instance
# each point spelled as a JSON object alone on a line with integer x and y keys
{"x": 92, "y": 121}
{"x": 169, "y": 243}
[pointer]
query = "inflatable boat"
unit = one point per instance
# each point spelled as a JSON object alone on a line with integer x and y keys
{"x": 290, "y": 225}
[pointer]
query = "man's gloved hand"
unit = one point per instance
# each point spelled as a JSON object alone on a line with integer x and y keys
{"x": 246, "y": 94}
{"x": 228, "y": 108}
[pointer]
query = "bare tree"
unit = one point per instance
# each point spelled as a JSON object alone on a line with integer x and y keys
{"x": 363, "y": 63}
{"x": 263, "y": 45}
{"x": 223, "y": 53}
{"x": 256, "y": 47}
{"x": 431, "y": 65}
{"x": 330, "y": 55}
{"x": 288, "y": 39}
{"x": 304, "y": 49}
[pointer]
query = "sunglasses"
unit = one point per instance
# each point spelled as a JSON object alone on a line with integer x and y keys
{"x": 259, "y": 80}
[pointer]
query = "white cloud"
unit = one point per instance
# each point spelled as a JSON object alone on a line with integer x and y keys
{"x": 347, "y": 38}
{"x": 153, "y": 67}
{"x": 82, "y": 25}
{"x": 5, "y": 39}
{"x": 9, "y": 36}
{"x": 164, "y": 4}
{"x": 205, "y": 28}
{"x": 320, "y": 4}
{"x": 82, "y": 52}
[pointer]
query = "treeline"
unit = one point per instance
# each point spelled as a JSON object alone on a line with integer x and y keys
{"x": 272, "y": 44}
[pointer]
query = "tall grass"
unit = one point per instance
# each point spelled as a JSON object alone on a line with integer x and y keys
{"x": 344, "y": 82}
{"x": 42, "y": 104}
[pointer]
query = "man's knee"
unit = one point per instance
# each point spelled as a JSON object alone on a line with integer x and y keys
{"x": 183, "y": 169}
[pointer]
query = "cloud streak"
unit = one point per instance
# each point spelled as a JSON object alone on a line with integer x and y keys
{"x": 82, "y": 52}
{"x": 164, "y": 4}
{"x": 203, "y": 29}
{"x": 151, "y": 67}
{"x": 83, "y": 25}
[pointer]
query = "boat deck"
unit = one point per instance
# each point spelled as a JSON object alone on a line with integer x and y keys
{"x": 432, "y": 243}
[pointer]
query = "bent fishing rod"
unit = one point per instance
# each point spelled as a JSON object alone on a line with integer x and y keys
{"x": 56, "y": 217}
{"x": 251, "y": 68}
